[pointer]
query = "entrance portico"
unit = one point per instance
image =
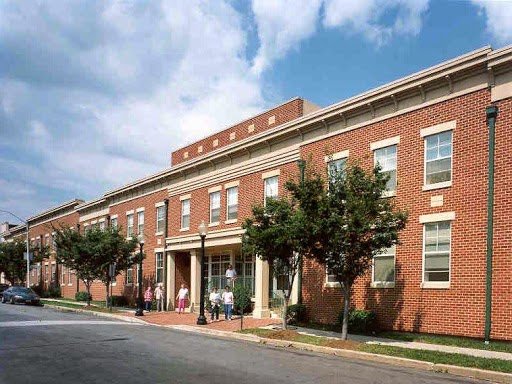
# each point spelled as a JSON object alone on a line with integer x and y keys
{"x": 222, "y": 247}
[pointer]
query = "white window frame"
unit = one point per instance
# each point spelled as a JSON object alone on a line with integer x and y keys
{"x": 157, "y": 268}
{"x": 62, "y": 275}
{"x": 388, "y": 192}
{"x": 129, "y": 228}
{"x": 229, "y": 204}
{"x": 70, "y": 281}
{"x": 113, "y": 222}
{"x": 212, "y": 195}
{"x": 425, "y": 133}
{"x": 265, "y": 184}
{"x": 184, "y": 203}
{"x": 384, "y": 284}
{"x": 140, "y": 227}
{"x": 434, "y": 220}
{"x": 160, "y": 231}
{"x": 128, "y": 270}
{"x": 328, "y": 282}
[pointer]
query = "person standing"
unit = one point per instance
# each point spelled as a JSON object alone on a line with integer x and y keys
{"x": 159, "y": 296}
{"x": 215, "y": 303}
{"x": 148, "y": 298}
{"x": 231, "y": 275}
{"x": 182, "y": 297}
{"x": 228, "y": 299}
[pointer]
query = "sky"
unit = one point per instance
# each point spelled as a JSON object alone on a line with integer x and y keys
{"x": 96, "y": 94}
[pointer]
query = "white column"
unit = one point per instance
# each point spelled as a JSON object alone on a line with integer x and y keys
{"x": 171, "y": 280}
{"x": 261, "y": 287}
{"x": 195, "y": 279}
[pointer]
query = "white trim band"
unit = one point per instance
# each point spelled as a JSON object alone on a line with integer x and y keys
{"x": 141, "y": 209}
{"x": 385, "y": 143}
{"x": 443, "y": 127}
{"x": 232, "y": 184}
{"x": 186, "y": 197}
{"x": 266, "y": 175}
{"x": 337, "y": 156}
{"x": 160, "y": 204}
{"x": 215, "y": 189}
{"x": 434, "y": 217}
{"x": 130, "y": 212}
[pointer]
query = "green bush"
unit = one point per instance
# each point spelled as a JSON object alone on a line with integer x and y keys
{"x": 119, "y": 301}
{"x": 360, "y": 321}
{"x": 54, "y": 292}
{"x": 296, "y": 314}
{"x": 242, "y": 296}
{"x": 82, "y": 296}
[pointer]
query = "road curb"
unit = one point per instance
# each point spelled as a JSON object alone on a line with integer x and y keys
{"x": 99, "y": 314}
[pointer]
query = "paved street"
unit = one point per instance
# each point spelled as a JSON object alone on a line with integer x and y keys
{"x": 55, "y": 347}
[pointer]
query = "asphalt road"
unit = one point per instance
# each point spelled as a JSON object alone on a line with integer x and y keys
{"x": 41, "y": 345}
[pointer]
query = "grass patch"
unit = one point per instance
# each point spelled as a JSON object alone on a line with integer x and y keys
{"x": 441, "y": 357}
{"x": 76, "y": 306}
{"x": 465, "y": 342}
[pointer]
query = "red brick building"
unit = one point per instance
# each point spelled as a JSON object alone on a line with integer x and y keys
{"x": 430, "y": 133}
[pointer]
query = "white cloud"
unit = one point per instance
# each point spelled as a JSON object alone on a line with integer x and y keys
{"x": 498, "y": 19}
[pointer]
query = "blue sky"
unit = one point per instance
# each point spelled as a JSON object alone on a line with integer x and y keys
{"x": 95, "y": 94}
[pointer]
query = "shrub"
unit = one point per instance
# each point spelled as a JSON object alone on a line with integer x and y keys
{"x": 360, "y": 321}
{"x": 242, "y": 296}
{"x": 53, "y": 292}
{"x": 38, "y": 288}
{"x": 296, "y": 314}
{"x": 119, "y": 301}
{"x": 82, "y": 296}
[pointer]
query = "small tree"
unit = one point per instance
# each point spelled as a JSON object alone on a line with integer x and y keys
{"x": 12, "y": 263}
{"x": 274, "y": 233}
{"x": 352, "y": 223}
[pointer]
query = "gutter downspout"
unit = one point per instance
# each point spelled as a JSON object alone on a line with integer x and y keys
{"x": 302, "y": 167}
{"x": 77, "y": 279}
{"x": 491, "y": 112}
{"x": 166, "y": 229}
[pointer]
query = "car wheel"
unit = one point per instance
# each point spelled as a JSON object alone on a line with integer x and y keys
{"x": 12, "y": 300}
{"x": 3, "y": 300}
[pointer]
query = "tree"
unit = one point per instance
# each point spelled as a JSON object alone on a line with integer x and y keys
{"x": 12, "y": 262}
{"x": 351, "y": 223}
{"x": 274, "y": 233}
{"x": 90, "y": 254}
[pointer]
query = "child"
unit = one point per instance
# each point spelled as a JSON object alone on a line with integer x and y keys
{"x": 228, "y": 299}
{"x": 181, "y": 297}
{"x": 148, "y": 298}
{"x": 215, "y": 302}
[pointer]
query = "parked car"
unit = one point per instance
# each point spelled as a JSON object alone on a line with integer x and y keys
{"x": 3, "y": 287}
{"x": 24, "y": 295}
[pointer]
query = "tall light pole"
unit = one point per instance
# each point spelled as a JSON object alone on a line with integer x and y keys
{"x": 140, "y": 302}
{"x": 28, "y": 245}
{"x": 302, "y": 167}
{"x": 201, "y": 320}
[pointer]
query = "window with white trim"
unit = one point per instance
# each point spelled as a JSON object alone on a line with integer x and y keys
{"x": 436, "y": 251}
{"x": 70, "y": 282}
{"x": 330, "y": 278}
{"x": 185, "y": 213}
{"x": 386, "y": 158}
{"x": 438, "y": 158}
{"x": 62, "y": 275}
{"x": 245, "y": 269}
{"x": 140, "y": 222}
{"x": 113, "y": 222}
{"x": 129, "y": 225}
{"x": 232, "y": 203}
{"x": 383, "y": 271}
{"x": 214, "y": 207}
{"x": 129, "y": 276}
{"x": 336, "y": 167}
{"x": 102, "y": 226}
{"x": 159, "y": 256}
{"x": 271, "y": 189}
{"x": 160, "y": 219}
{"x": 54, "y": 269}
{"x": 215, "y": 270}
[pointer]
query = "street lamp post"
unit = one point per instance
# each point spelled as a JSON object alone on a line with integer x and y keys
{"x": 28, "y": 245}
{"x": 201, "y": 320}
{"x": 140, "y": 302}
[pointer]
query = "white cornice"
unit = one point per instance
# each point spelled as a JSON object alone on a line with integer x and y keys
{"x": 68, "y": 204}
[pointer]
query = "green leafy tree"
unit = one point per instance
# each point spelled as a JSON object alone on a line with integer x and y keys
{"x": 350, "y": 223}
{"x": 274, "y": 233}
{"x": 12, "y": 262}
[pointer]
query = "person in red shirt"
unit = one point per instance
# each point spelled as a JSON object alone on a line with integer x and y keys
{"x": 148, "y": 298}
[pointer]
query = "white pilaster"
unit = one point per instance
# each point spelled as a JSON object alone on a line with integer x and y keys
{"x": 195, "y": 279}
{"x": 261, "y": 309}
{"x": 171, "y": 280}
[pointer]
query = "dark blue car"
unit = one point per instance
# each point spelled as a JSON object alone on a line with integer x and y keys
{"x": 24, "y": 295}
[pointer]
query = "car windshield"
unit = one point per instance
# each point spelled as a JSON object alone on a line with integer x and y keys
{"x": 22, "y": 290}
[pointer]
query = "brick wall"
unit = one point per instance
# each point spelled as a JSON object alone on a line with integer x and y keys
{"x": 459, "y": 309}
{"x": 282, "y": 114}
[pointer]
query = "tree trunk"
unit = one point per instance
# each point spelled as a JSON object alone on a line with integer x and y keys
{"x": 285, "y": 312}
{"x": 346, "y": 303}
{"x": 107, "y": 285}
{"x": 88, "y": 288}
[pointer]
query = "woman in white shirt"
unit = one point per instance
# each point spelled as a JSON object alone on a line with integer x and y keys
{"x": 182, "y": 297}
{"x": 229, "y": 300}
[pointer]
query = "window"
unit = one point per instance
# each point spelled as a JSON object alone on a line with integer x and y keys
{"x": 244, "y": 268}
{"x": 159, "y": 267}
{"x": 438, "y": 158}
{"x": 47, "y": 240}
{"x": 113, "y": 222}
{"x": 436, "y": 252}
{"x": 214, "y": 207}
{"x": 54, "y": 241}
{"x": 160, "y": 219}
{"x": 330, "y": 277}
{"x": 185, "y": 214}
{"x": 215, "y": 271}
{"x": 386, "y": 158}
{"x": 140, "y": 222}
{"x": 383, "y": 272}
{"x": 129, "y": 225}
{"x": 271, "y": 188}
{"x": 53, "y": 272}
{"x": 336, "y": 168}
{"x": 102, "y": 226}
{"x": 232, "y": 203}
{"x": 129, "y": 276}
{"x": 70, "y": 282}
{"x": 62, "y": 275}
